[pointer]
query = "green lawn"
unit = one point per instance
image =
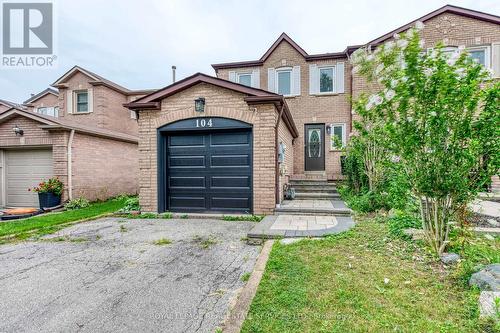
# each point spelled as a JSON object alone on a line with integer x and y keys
{"x": 51, "y": 222}
{"x": 337, "y": 285}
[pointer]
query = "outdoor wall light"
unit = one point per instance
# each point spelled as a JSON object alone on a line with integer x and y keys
{"x": 199, "y": 104}
{"x": 18, "y": 131}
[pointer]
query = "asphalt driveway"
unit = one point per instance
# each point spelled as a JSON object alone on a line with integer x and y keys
{"x": 109, "y": 275}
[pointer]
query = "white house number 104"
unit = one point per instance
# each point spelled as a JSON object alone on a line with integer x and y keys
{"x": 204, "y": 122}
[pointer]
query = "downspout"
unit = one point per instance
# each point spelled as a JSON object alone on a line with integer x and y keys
{"x": 70, "y": 164}
{"x": 351, "y": 80}
{"x": 276, "y": 167}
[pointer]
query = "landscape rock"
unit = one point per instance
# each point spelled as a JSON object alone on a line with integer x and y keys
{"x": 487, "y": 279}
{"x": 487, "y": 307}
{"x": 450, "y": 258}
{"x": 416, "y": 234}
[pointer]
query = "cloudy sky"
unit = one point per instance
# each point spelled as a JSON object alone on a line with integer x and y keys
{"x": 135, "y": 42}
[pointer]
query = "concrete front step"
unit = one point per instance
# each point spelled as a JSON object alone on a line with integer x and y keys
{"x": 315, "y": 188}
{"x": 313, "y": 211}
{"x": 310, "y": 182}
{"x": 316, "y": 195}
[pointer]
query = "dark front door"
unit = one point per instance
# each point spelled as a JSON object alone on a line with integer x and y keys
{"x": 314, "y": 147}
{"x": 209, "y": 171}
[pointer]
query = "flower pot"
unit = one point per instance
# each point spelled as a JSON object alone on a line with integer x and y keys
{"x": 48, "y": 199}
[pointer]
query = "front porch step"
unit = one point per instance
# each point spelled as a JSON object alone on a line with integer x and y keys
{"x": 313, "y": 211}
{"x": 316, "y": 195}
{"x": 314, "y": 188}
{"x": 310, "y": 182}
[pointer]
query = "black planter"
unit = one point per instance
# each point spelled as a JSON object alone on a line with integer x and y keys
{"x": 48, "y": 200}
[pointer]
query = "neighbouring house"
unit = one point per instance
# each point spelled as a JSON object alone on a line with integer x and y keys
{"x": 45, "y": 102}
{"x": 80, "y": 133}
{"x": 231, "y": 143}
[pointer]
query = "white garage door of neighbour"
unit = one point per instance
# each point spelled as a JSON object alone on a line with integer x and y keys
{"x": 25, "y": 169}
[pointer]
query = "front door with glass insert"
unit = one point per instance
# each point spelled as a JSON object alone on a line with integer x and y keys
{"x": 314, "y": 147}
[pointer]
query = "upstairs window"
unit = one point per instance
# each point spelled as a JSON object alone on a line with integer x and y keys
{"x": 49, "y": 111}
{"x": 480, "y": 54}
{"x": 82, "y": 101}
{"x": 326, "y": 79}
{"x": 284, "y": 81}
{"x": 245, "y": 79}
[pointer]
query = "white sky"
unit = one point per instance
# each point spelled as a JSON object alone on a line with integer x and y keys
{"x": 135, "y": 42}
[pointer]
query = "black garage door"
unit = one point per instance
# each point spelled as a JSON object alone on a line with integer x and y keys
{"x": 208, "y": 170}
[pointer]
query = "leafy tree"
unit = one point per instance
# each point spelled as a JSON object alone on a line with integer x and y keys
{"x": 437, "y": 114}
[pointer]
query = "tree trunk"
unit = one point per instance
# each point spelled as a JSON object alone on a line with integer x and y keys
{"x": 436, "y": 213}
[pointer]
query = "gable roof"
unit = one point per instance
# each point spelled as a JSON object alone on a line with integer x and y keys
{"x": 254, "y": 96}
{"x": 41, "y": 94}
{"x": 445, "y": 9}
{"x": 350, "y": 49}
{"x": 8, "y": 104}
{"x": 54, "y": 123}
{"x": 97, "y": 80}
{"x": 283, "y": 37}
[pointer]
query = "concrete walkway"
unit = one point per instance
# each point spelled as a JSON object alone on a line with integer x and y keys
{"x": 489, "y": 208}
{"x": 307, "y": 218}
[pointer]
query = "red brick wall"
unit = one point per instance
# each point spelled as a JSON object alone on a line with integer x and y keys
{"x": 103, "y": 168}
{"x": 108, "y": 111}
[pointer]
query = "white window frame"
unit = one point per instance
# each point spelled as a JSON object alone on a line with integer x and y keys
{"x": 277, "y": 82}
{"x": 54, "y": 110}
{"x": 75, "y": 101}
{"x": 242, "y": 74}
{"x": 334, "y": 86}
{"x": 487, "y": 53}
{"x": 344, "y": 135}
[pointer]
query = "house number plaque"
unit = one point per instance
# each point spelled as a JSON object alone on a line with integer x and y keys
{"x": 204, "y": 122}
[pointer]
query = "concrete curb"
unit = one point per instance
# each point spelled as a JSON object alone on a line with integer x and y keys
{"x": 238, "y": 312}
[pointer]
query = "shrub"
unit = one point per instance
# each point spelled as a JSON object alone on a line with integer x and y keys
{"x": 132, "y": 204}
{"x": 77, "y": 203}
{"x": 397, "y": 224}
{"x": 252, "y": 218}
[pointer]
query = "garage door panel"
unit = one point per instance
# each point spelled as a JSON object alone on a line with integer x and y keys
{"x": 226, "y": 182}
{"x": 25, "y": 169}
{"x": 230, "y": 202}
{"x": 187, "y": 202}
{"x": 230, "y": 139}
{"x": 214, "y": 177}
{"x": 187, "y": 182}
{"x": 187, "y": 141}
{"x": 228, "y": 161}
{"x": 186, "y": 162}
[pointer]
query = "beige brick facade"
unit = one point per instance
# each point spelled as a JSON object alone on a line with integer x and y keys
{"x": 307, "y": 109}
{"x": 220, "y": 102}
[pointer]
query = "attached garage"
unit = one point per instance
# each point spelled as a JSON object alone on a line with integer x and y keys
{"x": 211, "y": 145}
{"x": 25, "y": 169}
{"x": 206, "y": 168}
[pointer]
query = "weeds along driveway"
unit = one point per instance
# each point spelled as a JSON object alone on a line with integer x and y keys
{"x": 117, "y": 275}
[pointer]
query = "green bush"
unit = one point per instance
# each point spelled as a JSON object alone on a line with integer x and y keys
{"x": 131, "y": 204}
{"x": 397, "y": 224}
{"x": 77, "y": 204}
{"x": 354, "y": 168}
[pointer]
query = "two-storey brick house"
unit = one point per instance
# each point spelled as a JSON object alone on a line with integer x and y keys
{"x": 316, "y": 91}
{"x": 80, "y": 133}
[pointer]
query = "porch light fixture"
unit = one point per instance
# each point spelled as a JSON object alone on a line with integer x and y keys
{"x": 18, "y": 131}
{"x": 199, "y": 104}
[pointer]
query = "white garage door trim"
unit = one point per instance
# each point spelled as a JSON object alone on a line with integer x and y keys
{"x": 23, "y": 169}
